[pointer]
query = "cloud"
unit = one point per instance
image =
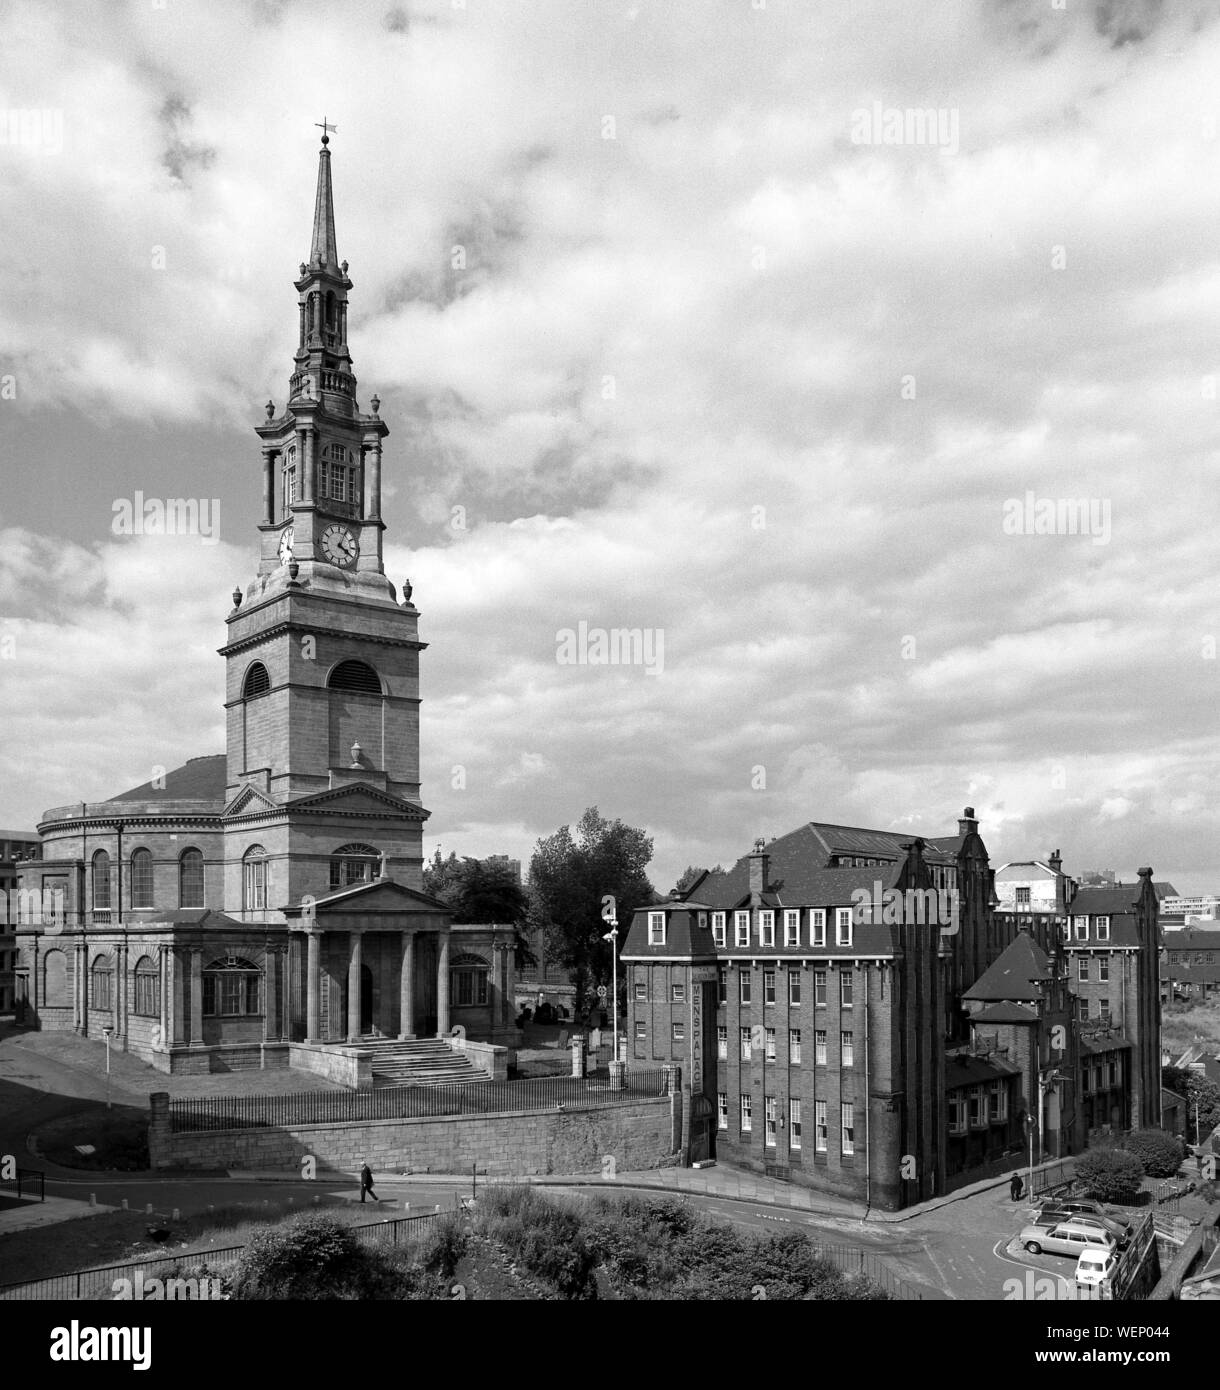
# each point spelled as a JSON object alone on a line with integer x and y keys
{"x": 709, "y": 369}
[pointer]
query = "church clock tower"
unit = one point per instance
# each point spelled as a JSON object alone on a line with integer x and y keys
{"x": 322, "y": 694}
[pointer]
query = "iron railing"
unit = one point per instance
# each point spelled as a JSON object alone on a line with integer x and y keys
{"x": 101, "y": 1282}
{"x": 412, "y": 1102}
{"x": 28, "y": 1182}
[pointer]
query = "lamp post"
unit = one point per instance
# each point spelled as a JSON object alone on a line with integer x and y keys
{"x": 612, "y": 937}
{"x": 107, "y": 1030}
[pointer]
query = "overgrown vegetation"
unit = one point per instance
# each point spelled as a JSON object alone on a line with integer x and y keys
{"x": 314, "y": 1256}
{"x": 1183, "y": 1024}
{"x": 646, "y": 1248}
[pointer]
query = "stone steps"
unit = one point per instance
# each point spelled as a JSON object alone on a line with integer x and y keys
{"x": 421, "y": 1062}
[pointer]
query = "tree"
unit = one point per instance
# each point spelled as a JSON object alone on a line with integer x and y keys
{"x": 1112, "y": 1175}
{"x": 482, "y": 890}
{"x": 569, "y": 877}
{"x": 690, "y": 874}
{"x": 1158, "y": 1151}
{"x": 1198, "y": 1090}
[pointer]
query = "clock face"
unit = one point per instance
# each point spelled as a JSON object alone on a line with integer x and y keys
{"x": 286, "y": 545}
{"x": 340, "y": 546}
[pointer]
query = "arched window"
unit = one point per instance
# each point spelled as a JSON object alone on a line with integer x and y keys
{"x": 55, "y": 988}
{"x": 232, "y": 986}
{"x": 148, "y": 988}
{"x": 101, "y": 984}
{"x": 190, "y": 878}
{"x": 101, "y": 881}
{"x": 257, "y": 681}
{"x": 355, "y": 675}
{"x": 254, "y": 879}
{"x": 141, "y": 878}
{"x": 353, "y": 864}
{"x": 468, "y": 981}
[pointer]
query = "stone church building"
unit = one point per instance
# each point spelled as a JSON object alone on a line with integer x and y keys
{"x": 272, "y": 894}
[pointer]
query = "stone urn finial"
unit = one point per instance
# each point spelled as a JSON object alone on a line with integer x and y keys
{"x": 356, "y": 752}
{"x": 236, "y": 598}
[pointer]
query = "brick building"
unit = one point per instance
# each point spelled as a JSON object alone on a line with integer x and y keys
{"x": 15, "y": 846}
{"x": 273, "y": 893}
{"x": 877, "y": 1054}
{"x": 1190, "y": 965}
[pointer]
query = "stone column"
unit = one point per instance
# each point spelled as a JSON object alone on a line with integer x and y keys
{"x": 83, "y": 983}
{"x": 312, "y": 972}
{"x": 442, "y": 984}
{"x": 506, "y": 952}
{"x": 305, "y": 454}
{"x": 373, "y": 456}
{"x": 353, "y": 989}
{"x": 269, "y": 457}
{"x": 196, "y": 996}
{"x": 120, "y": 992}
{"x": 406, "y": 1003}
{"x": 77, "y": 1004}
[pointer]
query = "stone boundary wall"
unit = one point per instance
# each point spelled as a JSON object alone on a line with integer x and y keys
{"x": 487, "y": 1057}
{"x": 347, "y": 1066}
{"x": 636, "y": 1134}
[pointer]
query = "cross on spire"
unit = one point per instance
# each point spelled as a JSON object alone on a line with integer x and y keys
{"x": 325, "y": 127}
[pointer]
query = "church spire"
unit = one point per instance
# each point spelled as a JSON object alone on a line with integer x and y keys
{"x": 322, "y": 250}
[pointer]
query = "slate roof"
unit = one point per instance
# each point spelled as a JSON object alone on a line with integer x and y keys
{"x": 683, "y": 935}
{"x": 1112, "y": 900}
{"x": 1193, "y": 939}
{"x": 1005, "y": 1011}
{"x": 797, "y": 877}
{"x": 1092, "y": 1043}
{"x": 200, "y": 779}
{"x": 856, "y": 840}
{"x": 1012, "y": 975}
{"x": 967, "y": 1069}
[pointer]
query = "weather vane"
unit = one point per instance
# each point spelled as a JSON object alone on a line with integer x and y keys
{"x": 325, "y": 127}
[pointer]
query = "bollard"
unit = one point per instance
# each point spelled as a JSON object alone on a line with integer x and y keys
{"x": 93, "y": 1199}
{"x": 177, "y": 1215}
{"x": 124, "y": 1203}
{"x": 148, "y": 1209}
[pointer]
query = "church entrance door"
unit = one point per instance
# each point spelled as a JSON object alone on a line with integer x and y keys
{"x": 366, "y": 999}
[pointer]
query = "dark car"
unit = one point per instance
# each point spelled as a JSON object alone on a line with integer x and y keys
{"x": 1060, "y": 1208}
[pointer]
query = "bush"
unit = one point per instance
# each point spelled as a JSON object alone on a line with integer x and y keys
{"x": 313, "y": 1256}
{"x": 1158, "y": 1151}
{"x": 444, "y": 1248}
{"x": 1111, "y": 1175}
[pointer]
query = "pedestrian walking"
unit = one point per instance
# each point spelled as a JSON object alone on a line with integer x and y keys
{"x": 366, "y": 1183}
{"x": 1016, "y": 1187}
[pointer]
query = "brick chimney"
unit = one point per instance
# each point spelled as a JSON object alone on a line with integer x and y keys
{"x": 760, "y": 863}
{"x": 1054, "y": 861}
{"x": 967, "y": 825}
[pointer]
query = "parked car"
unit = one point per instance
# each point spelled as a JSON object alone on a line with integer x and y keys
{"x": 1120, "y": 1233}
{"x": 1084, "y": 1206}
{"x": 1065, "y": 1239}
{"x": 1096, "y": 1267}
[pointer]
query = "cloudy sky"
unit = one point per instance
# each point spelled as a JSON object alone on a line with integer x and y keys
{"x": 741, "y": 353}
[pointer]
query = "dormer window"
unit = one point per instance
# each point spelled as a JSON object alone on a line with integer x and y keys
{"x": 656, "y": 929}
{"x": 718, "y": 928}
{"x": 792, "y": 928}
{"x": 1081, "y": 925}
{"x": 766, "y": 928}
{"x": 842, "y": 926}
{"x": 741, "y": 928}
{"x": 817, "y": 926}
{"x": 1101, "y": 928}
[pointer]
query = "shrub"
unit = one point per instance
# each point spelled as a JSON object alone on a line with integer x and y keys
{"x": 1111, "y": 1175}
{"x": 313, "y": 1256}
{"x": 444, "y": 1248}
{"x": 1158, "y": 1151}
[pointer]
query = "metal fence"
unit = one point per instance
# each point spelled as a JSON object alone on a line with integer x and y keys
{"x": 852, "y": 1260}
{"x": 103, "y": 1282}
{"x": 411, "y": 1102}
{"x": 28, "y": 1182}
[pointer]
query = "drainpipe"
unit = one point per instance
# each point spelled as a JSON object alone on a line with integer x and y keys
{"x": 119, "y": 858}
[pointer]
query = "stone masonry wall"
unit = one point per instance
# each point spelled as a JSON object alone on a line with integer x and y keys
{"x": 638, "y": 1135}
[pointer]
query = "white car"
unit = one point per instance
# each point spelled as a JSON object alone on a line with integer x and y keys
{"x": 1096, "y": 1267}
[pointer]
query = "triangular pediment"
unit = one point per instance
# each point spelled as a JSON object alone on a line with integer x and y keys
{"x": 382, "y": 895}
{"x": 360, "y": 799}
{"x": 249, "y": 800}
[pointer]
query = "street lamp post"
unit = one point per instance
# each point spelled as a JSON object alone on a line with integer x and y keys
{"x": 612, "y": 937}
{"x": 106, "y": 1032}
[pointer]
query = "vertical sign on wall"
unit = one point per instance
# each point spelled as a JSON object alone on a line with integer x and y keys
{"x": 696, "y": 1037}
